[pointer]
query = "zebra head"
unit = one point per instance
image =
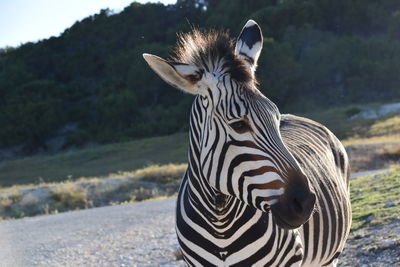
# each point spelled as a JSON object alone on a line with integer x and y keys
{"x": 236, "y": 145}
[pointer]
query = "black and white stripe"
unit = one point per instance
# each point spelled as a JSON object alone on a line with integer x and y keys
{"x": 261, "y": 189}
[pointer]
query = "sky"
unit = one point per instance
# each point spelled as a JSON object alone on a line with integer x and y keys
{"x": 24, "y": 21}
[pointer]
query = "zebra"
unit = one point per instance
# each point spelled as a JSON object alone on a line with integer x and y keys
{"x": 261, "y": 188}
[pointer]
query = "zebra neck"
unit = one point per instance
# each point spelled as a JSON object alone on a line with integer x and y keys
{"x": 215, "y": 206}
{"x": 196, "y": 189}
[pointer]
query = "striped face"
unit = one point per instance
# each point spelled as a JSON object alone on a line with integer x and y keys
{"x": 236, "y": 146}
{"x": 240, "y": 148}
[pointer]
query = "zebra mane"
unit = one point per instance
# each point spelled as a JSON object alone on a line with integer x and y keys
{"x": 213, "y": 51}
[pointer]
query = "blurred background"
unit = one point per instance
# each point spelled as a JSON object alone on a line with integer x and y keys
{"x": 89, "y": 83}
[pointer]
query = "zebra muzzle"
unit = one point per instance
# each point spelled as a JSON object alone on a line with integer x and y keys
{"x": 295, "y": 207}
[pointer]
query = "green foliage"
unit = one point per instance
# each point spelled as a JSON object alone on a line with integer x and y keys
{"x": 317, "y": 54}
{"x": 31, "y": 112}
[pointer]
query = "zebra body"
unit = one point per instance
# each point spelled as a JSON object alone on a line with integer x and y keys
{"x": 324, "y": 160}
{"x": 261, "y": 188}
{"x": 316, "y": 243}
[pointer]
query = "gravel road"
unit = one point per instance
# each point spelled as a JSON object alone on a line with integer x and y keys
{"x": 139, "y": 234}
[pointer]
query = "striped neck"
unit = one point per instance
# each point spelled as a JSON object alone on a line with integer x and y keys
{"x": 217, "y": 209}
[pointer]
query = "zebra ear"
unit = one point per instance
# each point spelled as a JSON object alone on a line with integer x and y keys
{"x": 180, "y": 75}
{"x": 249, "y": 43}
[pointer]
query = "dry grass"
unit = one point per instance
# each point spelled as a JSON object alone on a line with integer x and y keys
{"x": 6, "y": 201}
{"x": 386, "y": 130}
{"x": 387, "y": 127}
{"x": 69, "y": 196}
{"x": 371, "y": 140}
{"x": 390, "y": 151}
{"x": 376, "y": 146}
{"x": 161, "y": 173}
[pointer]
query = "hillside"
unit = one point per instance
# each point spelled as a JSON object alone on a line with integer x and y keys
{"x": 95, "y": 161}
{"x": 91, "y": 85}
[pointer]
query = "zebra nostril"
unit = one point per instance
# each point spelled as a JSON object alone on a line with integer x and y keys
{"x": 302, "y": 203}
{"x": 297, "y": 206}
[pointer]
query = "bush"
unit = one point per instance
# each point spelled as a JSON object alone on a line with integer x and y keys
{"x": 69, "y": 196}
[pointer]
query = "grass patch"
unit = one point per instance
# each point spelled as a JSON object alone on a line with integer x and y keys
{"x": 95, "y": 161}
{"x": 375, "y": 199}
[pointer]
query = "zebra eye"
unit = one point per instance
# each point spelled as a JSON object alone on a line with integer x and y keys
{"x": 240, "y": 126}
